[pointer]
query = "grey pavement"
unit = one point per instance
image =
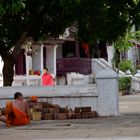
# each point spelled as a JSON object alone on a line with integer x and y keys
{"x": 124, "y": 127}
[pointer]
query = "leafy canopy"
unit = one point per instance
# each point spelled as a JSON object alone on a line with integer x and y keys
{"x": 126, "y": 42}
{"x": 106, "y": 19}
{"x": 11, "y": 6}
{"x": 36, "y": 17}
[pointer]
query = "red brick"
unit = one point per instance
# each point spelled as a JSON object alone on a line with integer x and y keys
{"x": 54, "y": 110}
{"x": 77, "y": 109}
{"x": 38, "y": 105}
{"x": 48, "y": 116}
{"x": 46, "y": 105}
{"x": 85, "y": 109}
{"x": 94, "y": 114}
{"x": 62, "y": 116}
{"x": 88, "y": 115}
{"x": 70, "y": 114}
{"x": 46, "y": 110}
{"x": 63, "y": 110}
{"x": 78, "y": 115}
{"x": 31, "y": 104}
{"x": 56, "y": 116}
{"x": 0, "y": 111}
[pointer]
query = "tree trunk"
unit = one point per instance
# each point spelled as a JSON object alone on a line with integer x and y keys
{"x": 8, "y": 72}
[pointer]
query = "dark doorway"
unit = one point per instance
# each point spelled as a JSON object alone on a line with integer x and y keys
{"x": 20, "y": 66}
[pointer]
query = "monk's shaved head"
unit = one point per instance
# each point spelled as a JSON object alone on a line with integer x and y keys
{"x": 18, "y": 95}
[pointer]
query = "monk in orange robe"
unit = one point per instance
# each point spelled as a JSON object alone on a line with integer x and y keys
{"x": 16, "y": 112}
{"x": 47, "y": 79}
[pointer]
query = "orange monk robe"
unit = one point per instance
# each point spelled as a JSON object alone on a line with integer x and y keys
{"x": 15, "y": 116}
{"x": 47, "y": 80}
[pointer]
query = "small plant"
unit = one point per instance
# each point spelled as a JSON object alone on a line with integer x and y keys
{"x": 126, "y": 65}
{"x": 124, "y": 83}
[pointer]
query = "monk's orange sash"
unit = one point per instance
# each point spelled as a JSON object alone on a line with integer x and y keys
{"x": 14, "y": 116}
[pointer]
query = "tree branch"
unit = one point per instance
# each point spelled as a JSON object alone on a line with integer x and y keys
{"x": 23, "y": 35}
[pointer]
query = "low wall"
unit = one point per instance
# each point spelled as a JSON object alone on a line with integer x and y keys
{"x": 104, "y": 100}
{"x": 71, "y": 95}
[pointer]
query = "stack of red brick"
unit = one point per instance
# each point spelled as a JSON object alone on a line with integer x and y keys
{"x": 2, "y": 111}
{"x": 55, "y": 112}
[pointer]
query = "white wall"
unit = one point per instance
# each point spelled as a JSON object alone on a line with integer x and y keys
{"x": 71, "y": 96}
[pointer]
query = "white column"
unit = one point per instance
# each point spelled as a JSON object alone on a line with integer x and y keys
{"x": 28, "y": 67}
{"x": 55, "y": 48}
{"x": 107, "y": 89}
{"x": 41, "y": 58}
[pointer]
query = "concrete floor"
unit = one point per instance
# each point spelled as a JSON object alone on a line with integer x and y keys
{"x": 124, "y": 127}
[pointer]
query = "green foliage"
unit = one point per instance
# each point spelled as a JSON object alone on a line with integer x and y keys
{"x": 39, "y": 18}
{"x": 106, "y": 20}
{"x": 97, "y": 20}
{"x": 124, "y": 83}
{"x": 126, "y": 65}
{"x": 124, "y": 43}
{"x": 11, "y": 6}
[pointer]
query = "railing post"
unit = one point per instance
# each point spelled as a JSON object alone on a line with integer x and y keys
{"x": 107, "y": 89}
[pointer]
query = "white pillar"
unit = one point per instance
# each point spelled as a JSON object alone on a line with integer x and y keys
{"x": 107, "y": 88}
{"x": 41, "y": 58}
{"x": 55, "y": 47}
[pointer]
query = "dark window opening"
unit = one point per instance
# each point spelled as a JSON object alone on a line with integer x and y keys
{"x": 69, "y": 49}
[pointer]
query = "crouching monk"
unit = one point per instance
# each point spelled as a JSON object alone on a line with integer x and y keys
{"x": 16, "y": 112}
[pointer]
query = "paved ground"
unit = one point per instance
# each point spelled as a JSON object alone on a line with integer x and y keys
{"x": 126, "y": 126}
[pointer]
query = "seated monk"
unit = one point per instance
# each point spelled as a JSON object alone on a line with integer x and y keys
{"x": 47, "y": 79}
{"x": 16, "y": 112}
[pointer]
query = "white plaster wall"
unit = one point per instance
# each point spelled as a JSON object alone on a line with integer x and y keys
{"x": 36, "y": 57}
{"x": 71, "y": 96}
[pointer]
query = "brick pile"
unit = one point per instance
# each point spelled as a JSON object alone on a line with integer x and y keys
{"x": 2, "y": 111}
{"x": 55, "y": 112}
